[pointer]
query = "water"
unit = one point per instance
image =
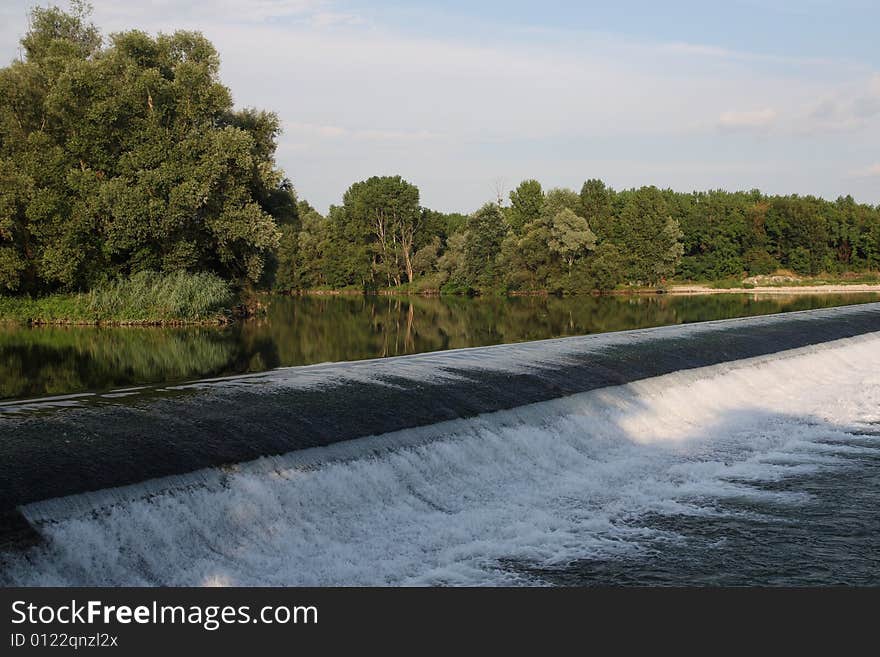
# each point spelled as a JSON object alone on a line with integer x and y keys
{"x": 299, "y": 331}
{"x": 758, "y": 471}
{"x": 749, "y": 470}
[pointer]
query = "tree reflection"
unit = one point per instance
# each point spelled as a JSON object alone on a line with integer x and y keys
{"x": 304, "y": 330}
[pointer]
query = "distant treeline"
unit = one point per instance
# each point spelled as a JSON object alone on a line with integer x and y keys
{"x": 567, "y": 241}
{"x": 127, "y": 156}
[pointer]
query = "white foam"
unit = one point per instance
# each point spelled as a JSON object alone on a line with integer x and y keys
{"x": 457, "y": 502}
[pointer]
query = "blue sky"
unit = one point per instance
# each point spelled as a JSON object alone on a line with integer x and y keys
{"x": 464, "y": 97}
{"x": 845, "y": 28}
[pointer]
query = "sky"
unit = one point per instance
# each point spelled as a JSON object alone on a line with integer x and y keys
{"x": 465, "y": 99}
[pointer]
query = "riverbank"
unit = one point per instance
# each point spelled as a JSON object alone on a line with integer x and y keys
{"x": 160, "y": 304}
{"x": 675, "y": 289}
{"x": 144, "y": 299}
{"x": 854, "y": 288}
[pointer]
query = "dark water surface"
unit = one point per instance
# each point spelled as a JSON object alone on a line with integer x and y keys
{"x": 299, "y": 331}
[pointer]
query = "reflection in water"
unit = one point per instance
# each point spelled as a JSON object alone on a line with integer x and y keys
{"x": 299, "y": 331}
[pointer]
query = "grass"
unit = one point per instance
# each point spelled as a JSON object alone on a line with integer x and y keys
{"x": 730, "y": 284}
{"x": 144, "y": 298}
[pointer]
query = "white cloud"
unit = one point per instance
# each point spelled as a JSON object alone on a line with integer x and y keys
{"x": 853, "y": 107}
{"x": 867, "y": 105}
{"x": 357, "y": 98}
{"x": 212, "y": 11}
{"x": 750, "y": 119}
{"x": 872, "y": 171}
{"x": 327, "y": 18}
{"x": 337, "y": 132}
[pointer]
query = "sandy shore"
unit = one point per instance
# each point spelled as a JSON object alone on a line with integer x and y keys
{"x": 790, "y": 289}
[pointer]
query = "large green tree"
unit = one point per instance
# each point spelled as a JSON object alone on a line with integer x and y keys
{"x": 486, "y": 229}
{"x": 595, "y": 206}
{"x": 386, "y": 208}
{"x": 129, "y": 156}
{"x": 647, "y": 236}
{"x": 526, "y": 202}
{"x": 570, "y": 236}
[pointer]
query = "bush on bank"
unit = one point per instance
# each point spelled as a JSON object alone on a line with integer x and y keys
{"x": 147, "y": 297}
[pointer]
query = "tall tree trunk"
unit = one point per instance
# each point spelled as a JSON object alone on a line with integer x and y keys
{"x": 381, "y": 235}
{"x": 407, "y": 237}
{"x": 407, "y": 261}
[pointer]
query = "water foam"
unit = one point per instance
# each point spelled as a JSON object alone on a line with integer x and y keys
{"x": 470, "y": 501}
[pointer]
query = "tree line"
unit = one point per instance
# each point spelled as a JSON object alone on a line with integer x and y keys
{"x": 126, "y": 154}
{"x": 562, "y": 241}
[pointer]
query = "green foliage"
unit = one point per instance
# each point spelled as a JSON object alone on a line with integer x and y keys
{"x": 145, "y": 297}
{"x": 570, "y": 236}
{"x": 648, "y": 236}
{"x": 595, "y": 206}
{"x": 606, "y": 267}
{"x": 425, "y": 259}
{"x": 547, "y": 241}
{"x": 526, "y": 202}
{"x": 127, "y": 157}
{"x": 486, "y": 229}
{"x": 758, "y": 262}
{"x": 727, "y": 284}
{"x": 385, "y": 211}
{"x": 451, "y": 265}
{"x": 800, "y": 260}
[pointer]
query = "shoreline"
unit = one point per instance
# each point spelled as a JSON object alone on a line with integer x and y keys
{"x": 831, "y": 288}
{"x": 106, "y": 323}
{"x": 677, "y": 290}
{"x": 239, "y": 314}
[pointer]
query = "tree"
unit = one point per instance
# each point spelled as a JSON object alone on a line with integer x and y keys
{"x": 452, "y": 264}
{"x": 308, "y": 269}
{"x": 389, "y": 206}
{"x": 595, "y": 206}
{"x": 348, "y": 251}
{"x": 570, "y": 236}
{"x": 486, "y": 229}
{"x": 647, "y": 236}
{"x": 526, "y": 260}
{"x": 526, "y": 202}
{"x": 559, "y": 199}
{"x": 606, "y": 267}
{"x": 425, "y": 259}
{"x": 130, "y": 157}
{"x": 56, "y": 35}
{"x": 798, "y": 228}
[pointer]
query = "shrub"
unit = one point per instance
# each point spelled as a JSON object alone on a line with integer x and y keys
{"x": 146, "y": 297}
{"x": 150, "y": 296}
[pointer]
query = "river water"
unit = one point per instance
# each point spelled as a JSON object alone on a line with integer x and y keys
{"x": 762, "y": 469}
{"x": 301, "y": 331}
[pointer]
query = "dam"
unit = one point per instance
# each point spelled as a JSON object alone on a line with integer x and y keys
{"x": 560, "y": 461}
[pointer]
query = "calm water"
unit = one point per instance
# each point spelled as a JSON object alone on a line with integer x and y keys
{"x": 299, "y": 331}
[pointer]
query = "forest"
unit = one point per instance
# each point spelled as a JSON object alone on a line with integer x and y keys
{"x": 125, "y": 154}
{"x": 562, "y": 241}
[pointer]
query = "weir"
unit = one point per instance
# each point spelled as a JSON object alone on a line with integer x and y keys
{"x": 60, "y": 446}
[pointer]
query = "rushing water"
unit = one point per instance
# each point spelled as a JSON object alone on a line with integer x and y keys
{"x": 743, "y": 452}
{"x": 756, "y": 471}
{"x": 298, "y": 331}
